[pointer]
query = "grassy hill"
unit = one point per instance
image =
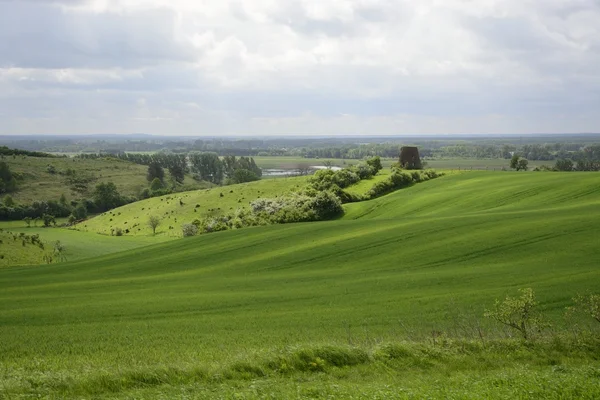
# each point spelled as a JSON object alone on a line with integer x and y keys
{"x": 40, "y": 184}
{"x": 324, "y": 309}
{"x": 179, "y": 208}
{"x": 77, "y": 245}
{"x": 479, "y": 191}
{"x": 16, "y": 249}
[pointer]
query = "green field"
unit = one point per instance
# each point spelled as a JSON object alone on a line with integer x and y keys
{"x": 386, "y": 302}
{"x": 179, "y": 208}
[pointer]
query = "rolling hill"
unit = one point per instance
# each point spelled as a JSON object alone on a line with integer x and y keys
{"x": 48, "y": 178}
{"x": 195, "y": 317}
{"x": 179, "y": 208}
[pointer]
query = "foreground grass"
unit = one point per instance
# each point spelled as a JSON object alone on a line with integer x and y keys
{"x": 231, "y": 313}
{"x": 498, "y": 369}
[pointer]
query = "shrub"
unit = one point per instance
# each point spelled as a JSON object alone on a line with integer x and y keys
{"x": 189, "y": 230}
{"x": 518, "y": 313}
{"x": 156, "y": 184}
{"x": 8, "y": 201}
{"x": 588, "y": 305}
{"x": 80, "y": 212}
{"x": 48, "y": 220}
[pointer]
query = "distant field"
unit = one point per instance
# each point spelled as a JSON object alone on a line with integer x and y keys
{"x": 39, "y": 184}
{"x": 293, "y": 162}
{"x": 177, "y": 209}
{"x": 441, "y": 164}
{"x": 370, "y": 306}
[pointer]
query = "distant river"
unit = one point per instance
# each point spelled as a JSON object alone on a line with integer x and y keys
{"x": 294, "y": 171}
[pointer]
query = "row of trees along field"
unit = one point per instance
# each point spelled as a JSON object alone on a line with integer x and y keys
{"x": 205, "y": 166}
{"x": 104, "y": 197}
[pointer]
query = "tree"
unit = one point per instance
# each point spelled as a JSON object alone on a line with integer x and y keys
{"x": 519, "y": 163}
{"x": 208, "y": 166}
{"x": 302, "y": 169}
{"x": 48, "y": 220}
{"x": 80, "y": 212}
{"x": 8, "y": 201}
{"x": 156, "y": 185}
{"x": 106, "y": 196}
{"x": 563, "y": 165}
{"x": 8, "y": 183}
{"x": 27, "y": 221}
{"x": 63, "y": 199}
{"x": 375, "y": 163}
{"x": 522, "y": 164}
{"x": 518, "y": 313}
{"x": 177, "y": 171}
{"x": 244, "y": 175}
{"x": 588, "y": 305}
{"x": 514, "y": 161}
{"x": 59, "y": 251}
{"x": 153, "y": 223}
{"x": 155, "y": 171}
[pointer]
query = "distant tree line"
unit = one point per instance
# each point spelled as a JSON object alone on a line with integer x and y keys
{"x": 206, "y": 166}
{"x": 5, "y": 151}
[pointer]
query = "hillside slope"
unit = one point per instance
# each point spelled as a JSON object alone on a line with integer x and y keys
{"x": 179, "y": 208}
{"x": 48, "y": 179}
{"x": 222, "y": 296}
{"x": 479, "y": 191}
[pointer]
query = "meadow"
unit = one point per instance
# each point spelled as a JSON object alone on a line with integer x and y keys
{"x": 386, "y": 302}
{"x": 179, "y": 208}
{"x": 43, "y": 183}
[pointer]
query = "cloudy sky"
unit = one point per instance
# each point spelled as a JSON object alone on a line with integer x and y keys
{"x": 264, "y": 67}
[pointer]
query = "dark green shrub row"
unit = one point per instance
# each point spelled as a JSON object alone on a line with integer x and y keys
{"x": 400, "y": 179}
{"x": 328, "y": 179}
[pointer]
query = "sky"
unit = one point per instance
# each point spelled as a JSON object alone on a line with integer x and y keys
{"x": 299, "y": 67}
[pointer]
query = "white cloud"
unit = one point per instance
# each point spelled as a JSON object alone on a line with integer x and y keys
{"x": 294, "y": 66}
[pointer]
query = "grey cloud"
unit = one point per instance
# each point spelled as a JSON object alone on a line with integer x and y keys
{"x": 43, "y": 36}
{"x": 517, "y": 66}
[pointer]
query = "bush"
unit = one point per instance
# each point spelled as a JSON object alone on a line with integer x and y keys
{"x": 189, "y": 230}
{"x": 118, "y": 232}
{"x": 80, "y": 212}
{"x": 518, "y": 313}
{"x": 564, "y": 165}
{"x": 8, "y": 201}
{"x": 243, "y": 175}
{"x": 48, "y": 220}
{"x": 8, "y": 182}
{"x": 156, "y": 184}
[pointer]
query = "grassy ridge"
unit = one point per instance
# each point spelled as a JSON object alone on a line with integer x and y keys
{"x": 196, "y": 204}
{"x": 196, "y": 302}
{"x": 38, "y": 184}
{"x": 479, "y": 191}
